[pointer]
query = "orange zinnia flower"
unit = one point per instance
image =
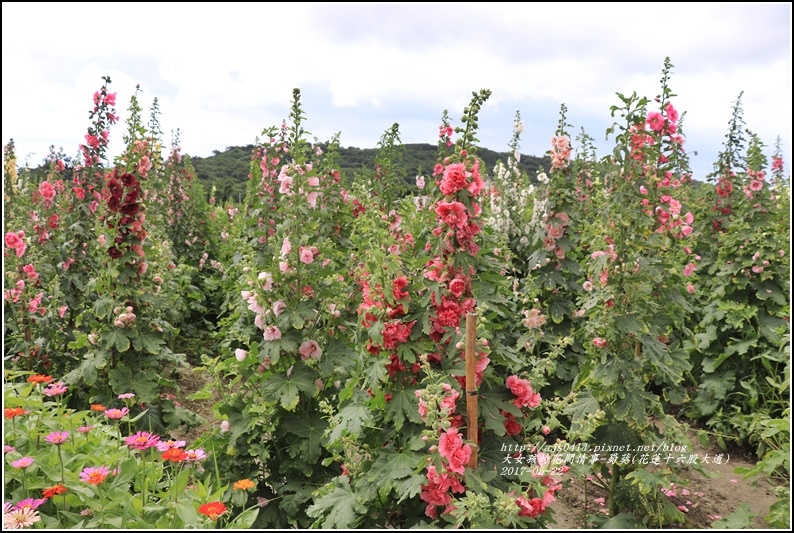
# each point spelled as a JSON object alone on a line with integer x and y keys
{"x": 212, "y": 509}
{"x": 39, "y": 378}
{"x": 97, "y": 407}
{"x": 244, "y": 484}
{"x": 176, "y": 455}
{"x": 11, "y": 412}
{"x": 52, "y": 491}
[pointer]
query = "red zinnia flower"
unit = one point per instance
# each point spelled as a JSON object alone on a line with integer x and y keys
{"x": 176, "y": 455}
{"x": 40, "y": 378}
{"x": 52, "y": 491}
{"x": 212, "y": 509}
{"x": 11, "y": 412}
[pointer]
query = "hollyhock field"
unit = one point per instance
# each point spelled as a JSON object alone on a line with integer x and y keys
{"x": 462, "y": 348}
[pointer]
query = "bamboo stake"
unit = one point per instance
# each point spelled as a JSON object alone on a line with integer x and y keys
{"x": 471, "y": 385}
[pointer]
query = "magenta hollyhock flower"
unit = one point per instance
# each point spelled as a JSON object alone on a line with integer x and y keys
{"x": 142, "y": 440}
{"x": 22, "y": 462}
{"x": 57, "y": 437}
{"x": 116, "y": 414}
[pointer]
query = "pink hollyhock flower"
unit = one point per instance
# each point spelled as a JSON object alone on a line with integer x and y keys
{"x": 531, "y": 508}
{"x": 240, "y": 354}
{"x": 272, "y": 333}
{"x": 655, "y": 121}
{"x": 47, "y": 191}
{"x": 452, "y": 213}
{"x": 756, "y": 185}
{"x": 451, "y": 448}
{"x": 690, "y": 289}
{"x": 286, "y": 247}
{"x": 522, "y": 389}
{"x": 457, "y": 286}
{"x": 545, "y": 430}
{"x": 306, "y": 255}
{"x": 62, "y": 311}
{"x": 689, "y": 269}
{"x": 310, "y": 349}
{"x": 672, "y": 114}
{"x": 312, "y": 199}
{"x": 279, "y": 307}
{"x": 225, "y": 427}
{"x": 454, "y": 179}
{"x": 599, "y": 342}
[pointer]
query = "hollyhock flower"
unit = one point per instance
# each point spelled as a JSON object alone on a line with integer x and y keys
{"x": 655, "y": 121}
{"x": 47, "y": 191}
{"x": 457, "y": 286}
{"x": 57, "y": 437}
{"x": 454, "y": 179}
{"x": 310, "y": 349}
{"x": 142, "y": 440}
{"x": 305, "y": 254}
{"x": 94, "y": 475}
{"x": 272, "y": 333}
{"x": 451, "y": 448}
{"x": 756, "y": 185}
{"x": 286, "y": 247}
{"x": 522, "y": 389}
{"x": 690, "y": 288}
{"x": 126, "y": 395}
{"x": 545, "y": 430}
{"x": 689, "y": 269}
{"x": 599, "y": 342}
{"x": 686, "y": 230}
{"x": 453, "y": 214}
{"x": 213, "y": 510}
{"x": 512, "y": 427}
{"x": 225, "y": 427}
{"x": 420, "y": 182}
{"x": 240, "y": 354}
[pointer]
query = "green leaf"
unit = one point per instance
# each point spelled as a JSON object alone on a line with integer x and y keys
{"x": 116, "y": 338}
{"x": 286, "y": 390}
{"x": 149, "y": 342}
{"x": 311, "y": 432}
{"x": 621, "y": 521}
{"x": 245, "y": 520}
{"x": 741, "y": 518}
{"x": 402, "y": 406}
{"x": 340, "y": 507}
{"x": 630, "y": 324}
{"x": 102, "y": 307}
{"x": 350, "y": 419}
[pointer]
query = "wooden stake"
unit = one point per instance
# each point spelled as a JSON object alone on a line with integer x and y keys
{"x": 471, "y": 385}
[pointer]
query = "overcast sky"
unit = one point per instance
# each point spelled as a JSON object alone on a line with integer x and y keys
{"x": 222, "y": 72}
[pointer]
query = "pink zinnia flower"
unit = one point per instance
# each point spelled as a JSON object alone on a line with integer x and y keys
{"x": 197, "y": 454}
{"x": 93, "y": 475}
{"x": 116, "y": 414}
{"x": 57, "y": 437}
{"x": 20, "y": 518}
{"x": 32, "y": 503}
{"x": 23, "y": 462}
{"x": 142, "y": 440}
{"x": 55, "y": 389}
{"x": 165, "y": 445}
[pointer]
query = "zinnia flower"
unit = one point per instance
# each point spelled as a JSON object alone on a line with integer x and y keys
{"x": 39, "y": 378}
{"x": 176, "y": 455}
{"x": 20, "y": 518}
{"x": 55, "y": 389}
{"x": 142, "y": 440}
{"x": 213, "y": 509}
{"x": 244, "y": 484}
{"x": 57, "y": 437}
{"x": 11, "y": 412}
{"x": 52, "y": 491}
{"x": 93, "y": 475}
{"x": 33, "y": 503}
{"x": 116, "y": 414}
{"x": 196, "y": 455}
{"x": 23, "y": 462}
